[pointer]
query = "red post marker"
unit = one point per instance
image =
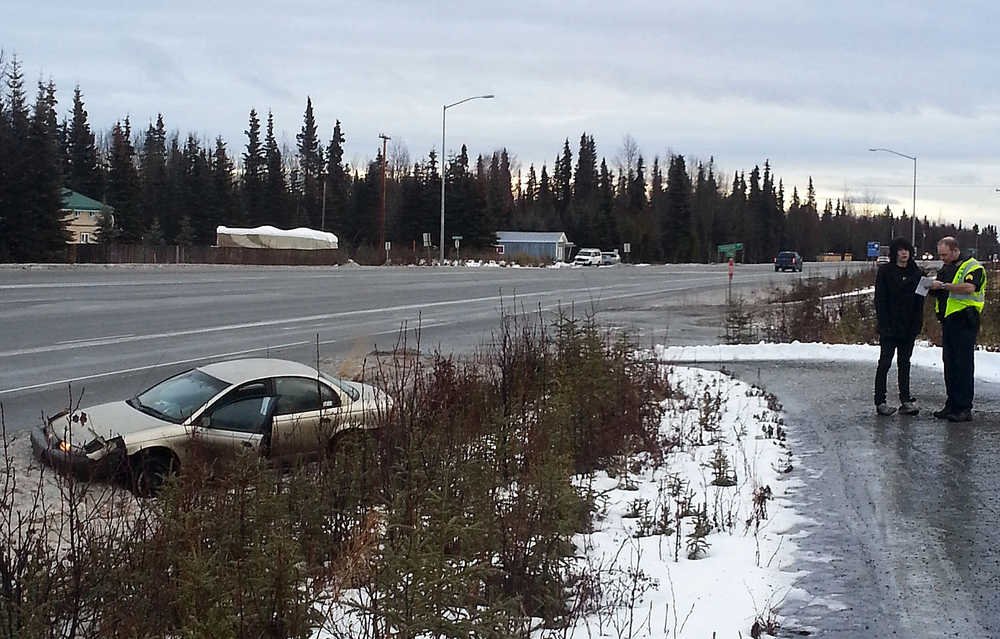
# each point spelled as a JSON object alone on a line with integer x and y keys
{"x": 730, "y": 269}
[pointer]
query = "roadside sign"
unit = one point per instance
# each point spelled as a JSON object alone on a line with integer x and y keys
{"x": 873, "y": 249}
{"x": 457, "y": 241}
{"x": 427, "y": 239}
{"x": 627, "y": 247}
{"x": 388, "y": 245}
{"x": 500, "y": 249}
{"x": 730, "y": 269}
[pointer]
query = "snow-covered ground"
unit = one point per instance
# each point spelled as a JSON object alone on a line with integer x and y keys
{"x": 653, "y": 581}
{"x": 987, "y": 363}
{"x": 743, "y": 572}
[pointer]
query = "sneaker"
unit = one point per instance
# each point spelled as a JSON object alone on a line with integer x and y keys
{"x": 884, "y": 409}
{"x": 909, "y": 408}
{"x": 943, "y": 413}
{"x": 960, "y": 416}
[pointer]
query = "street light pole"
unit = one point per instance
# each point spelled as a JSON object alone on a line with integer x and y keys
{"x": 913, "y": 209}
{"x": 381, "y": 217}
{"x": 444, "y": 112}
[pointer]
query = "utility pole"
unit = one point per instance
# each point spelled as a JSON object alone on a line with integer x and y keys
{"x": 381, "y": 218}
{"x": 322, "y": 219}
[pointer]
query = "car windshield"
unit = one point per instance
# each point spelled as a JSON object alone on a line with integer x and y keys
{"x": 177, "y": 398}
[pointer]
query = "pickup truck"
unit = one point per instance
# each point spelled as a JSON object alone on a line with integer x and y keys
{"x": 788, "y": 261}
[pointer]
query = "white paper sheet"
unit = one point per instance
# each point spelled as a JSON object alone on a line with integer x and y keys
{"x": 924, "y": 285}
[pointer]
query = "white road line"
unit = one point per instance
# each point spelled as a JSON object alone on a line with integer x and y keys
{"x": 137, "y": 369}
{"x": 93, "y": 339}
{"x": 279, "y": 322}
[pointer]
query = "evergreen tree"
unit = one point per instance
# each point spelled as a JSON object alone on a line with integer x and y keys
{"x": 123, "y": 188}
{"x": 253, "y": 176}
{"x": 44, "y": 177}
{"x": 223, "y": 202}
{"x": 15, "y": 241}
{"x": 275, "y": 195}
{"x": 107, "y": 232}
{"x": 84, "y": 174}
{"x": 562, "y": 178}
{"x": 154, "y": 234}
{"x": 310, "y": 168}
{"x": 153, "y": 177}
{"x": 185, "y": 232}
{"x": 584, "y": 212}
{"x": 607, "y": 229}
{"x": 337, "y": 181}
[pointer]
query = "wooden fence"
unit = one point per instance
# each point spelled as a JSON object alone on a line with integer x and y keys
{"x": 142, "y": 254}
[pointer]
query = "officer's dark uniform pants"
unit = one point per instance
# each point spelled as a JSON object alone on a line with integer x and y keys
{"x": 958, "y": 342}
{"x": 903, "y": 349}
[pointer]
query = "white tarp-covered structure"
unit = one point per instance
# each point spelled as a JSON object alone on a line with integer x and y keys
{"x": 274, "y": 238}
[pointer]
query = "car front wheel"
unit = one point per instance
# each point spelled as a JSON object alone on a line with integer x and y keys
{"x": 150, "y": 471}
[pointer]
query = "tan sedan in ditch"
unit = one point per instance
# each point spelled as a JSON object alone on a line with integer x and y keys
{"x": 281, "y": 409}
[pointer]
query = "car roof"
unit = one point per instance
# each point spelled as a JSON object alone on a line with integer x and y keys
{"x": 237, "y": 371}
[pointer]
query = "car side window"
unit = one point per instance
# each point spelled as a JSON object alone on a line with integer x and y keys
{"x": 247, "y": 415}
{"x": 302, "y": 395}
{"x": 245, "y": 409}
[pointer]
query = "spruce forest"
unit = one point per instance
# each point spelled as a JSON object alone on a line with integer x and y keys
{"x": 167, "y": 188}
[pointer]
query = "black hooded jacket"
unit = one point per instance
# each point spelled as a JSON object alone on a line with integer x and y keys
{"x": 900, "y": 311}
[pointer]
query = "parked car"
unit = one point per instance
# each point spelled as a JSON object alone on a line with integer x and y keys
{"x": 788, "y": 261}
{"x": 588, "y": 257}
{"x": 610, "y": 257}
{"x": 279, "y": 408}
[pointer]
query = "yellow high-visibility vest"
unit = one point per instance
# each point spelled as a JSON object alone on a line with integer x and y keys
{"x": 958, "y": 301}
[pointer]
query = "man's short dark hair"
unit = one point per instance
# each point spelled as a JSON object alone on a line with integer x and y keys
{"x": 949, "y": 241}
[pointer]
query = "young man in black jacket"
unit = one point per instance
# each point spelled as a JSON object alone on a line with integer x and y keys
{"x": 900, "y": 313}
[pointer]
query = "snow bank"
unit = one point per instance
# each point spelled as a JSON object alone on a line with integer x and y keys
{"x": 987, "y": 363}
{"x": 744, "y": 571}
{"x": 272, "y": 237}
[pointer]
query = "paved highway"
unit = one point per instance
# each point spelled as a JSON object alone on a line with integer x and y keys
{"x": 109, "y": 332}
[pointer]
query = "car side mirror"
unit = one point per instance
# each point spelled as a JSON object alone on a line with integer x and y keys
{"x": 205, "y": 421}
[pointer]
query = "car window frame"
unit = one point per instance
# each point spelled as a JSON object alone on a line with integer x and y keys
{"x": 319, "y": 381}
{"x": 220, "y": 401}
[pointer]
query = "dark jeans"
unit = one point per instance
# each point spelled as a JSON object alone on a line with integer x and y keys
{"x": 904, "y": 349}
{"x": 958, "y": 347}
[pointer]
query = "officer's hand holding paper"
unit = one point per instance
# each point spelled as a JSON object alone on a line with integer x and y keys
{"x": 924, "y": 285}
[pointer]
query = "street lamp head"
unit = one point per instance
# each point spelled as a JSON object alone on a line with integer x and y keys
{"x": 873, "y": 149}
{"x": 488, "y": 96}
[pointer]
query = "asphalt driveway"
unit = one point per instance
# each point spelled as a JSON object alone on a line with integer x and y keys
{"x": 905, "y": 539}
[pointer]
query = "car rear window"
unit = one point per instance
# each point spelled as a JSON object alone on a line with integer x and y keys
{"x": 351, "y": 391}
{"x": 786, "y": 254}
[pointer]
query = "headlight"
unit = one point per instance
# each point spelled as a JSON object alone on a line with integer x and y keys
{"x": 92, "y": 447}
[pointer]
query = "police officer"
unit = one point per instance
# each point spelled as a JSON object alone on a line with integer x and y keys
{"x": 959, "y": 288}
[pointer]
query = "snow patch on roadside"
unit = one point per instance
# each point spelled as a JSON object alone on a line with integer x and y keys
{"x": 987, "y": 363}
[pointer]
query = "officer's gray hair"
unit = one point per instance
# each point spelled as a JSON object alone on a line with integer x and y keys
{"x": 949, "y": 241}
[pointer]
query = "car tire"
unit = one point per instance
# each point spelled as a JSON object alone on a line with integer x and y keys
{"x": 150, "y": 471}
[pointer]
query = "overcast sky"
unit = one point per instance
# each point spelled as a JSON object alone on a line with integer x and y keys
{"x": 809, "y": 86}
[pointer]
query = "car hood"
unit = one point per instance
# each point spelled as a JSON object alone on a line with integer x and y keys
{"x": 104, "y": 420}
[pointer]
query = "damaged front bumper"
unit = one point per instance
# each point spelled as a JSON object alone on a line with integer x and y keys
{"x": 103, "y": 461}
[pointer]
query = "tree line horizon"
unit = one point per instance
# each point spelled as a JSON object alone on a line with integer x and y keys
{"x": 169, "y": 189}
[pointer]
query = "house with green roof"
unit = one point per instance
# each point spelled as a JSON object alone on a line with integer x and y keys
{"x": 82, "y": 216}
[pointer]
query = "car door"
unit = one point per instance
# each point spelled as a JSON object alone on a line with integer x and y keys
{"x": 238, "y": 421}
{"x": 304, "y": 416}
